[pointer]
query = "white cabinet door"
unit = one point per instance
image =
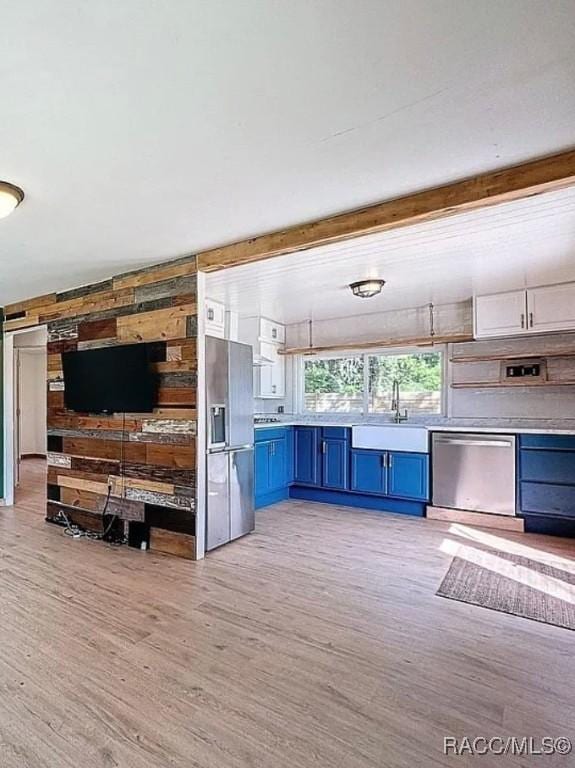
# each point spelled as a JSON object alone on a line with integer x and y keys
{"x": 279, "y": 377}
{"x": 271, "y": 376}
{"x": 551, "y": 308}
{"x": 502, "y": 314}
{"x": 272, "y": 332}
{"x": 215, "y": 319}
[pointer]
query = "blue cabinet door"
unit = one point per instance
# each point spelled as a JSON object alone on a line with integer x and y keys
{"x": 290, "y": 456}
{"x": 307, "y": 457}
{"x": 334, "y": 455}
{"x": 368, "y": 473}
{"x": 408, "y": 476}
{"x": 277, "y": 464}
{"x": 262, "y": 469}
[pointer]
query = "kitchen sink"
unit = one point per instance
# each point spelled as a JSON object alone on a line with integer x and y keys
{"x": 390, "y": 437}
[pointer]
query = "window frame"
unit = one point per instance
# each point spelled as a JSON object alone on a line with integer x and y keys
{"x": 328, "y": 356}
{"x": 440, "y": 349}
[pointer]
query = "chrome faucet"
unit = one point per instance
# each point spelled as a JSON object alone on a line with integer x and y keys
{"x": 398, "y": 417}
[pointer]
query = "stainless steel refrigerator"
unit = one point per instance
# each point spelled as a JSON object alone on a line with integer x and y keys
{"x": 230, "y": 441}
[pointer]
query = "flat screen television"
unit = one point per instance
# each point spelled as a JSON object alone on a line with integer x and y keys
{"x": 109, "y": 380}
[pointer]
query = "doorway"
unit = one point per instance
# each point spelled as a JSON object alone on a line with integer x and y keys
{"x": 25, "y": 407}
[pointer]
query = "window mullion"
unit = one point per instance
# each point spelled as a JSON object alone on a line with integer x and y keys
{"x": 365, "y": 384}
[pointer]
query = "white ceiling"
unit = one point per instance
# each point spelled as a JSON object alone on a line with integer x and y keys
{"x": 513, "y": 245}
{"x": 144, "y": 130}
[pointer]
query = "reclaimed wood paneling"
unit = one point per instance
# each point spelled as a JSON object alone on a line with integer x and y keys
{"x": 149, "y": 460}
{"x": 179, "y": 544}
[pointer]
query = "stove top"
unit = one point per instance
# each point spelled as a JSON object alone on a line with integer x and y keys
{"x": 266, "y": 420}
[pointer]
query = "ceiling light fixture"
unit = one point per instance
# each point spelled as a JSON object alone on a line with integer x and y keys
{"x": 10, "y": 197}
{"x": 365, "y": 289}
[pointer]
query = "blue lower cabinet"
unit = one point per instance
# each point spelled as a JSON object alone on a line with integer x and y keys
{"x": 546, "y": 483}
{"x": 368, "y": 471}
{"x": 290, "y": 458}
{"x": 278, "y": 464}
{"x": 262, "y": 469}
{"x": 548, "y": 499}
{"x": 307, "y": 456}
{"x": 408, "y": 475}
{"x": 272, "y": 465}
{"x": 334, "y": 463}
{"x": 317, "y": 463}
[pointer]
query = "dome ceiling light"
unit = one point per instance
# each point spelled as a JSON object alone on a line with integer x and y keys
{"x": 365, "y": 289}
{"x": 10, "y": 197}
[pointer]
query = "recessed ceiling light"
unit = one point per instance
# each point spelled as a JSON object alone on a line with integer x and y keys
{"x": 10, "y": 198}
{"x": 365, "y": 289}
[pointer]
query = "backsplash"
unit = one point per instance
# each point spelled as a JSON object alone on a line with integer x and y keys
{"x": 509, "y": 402}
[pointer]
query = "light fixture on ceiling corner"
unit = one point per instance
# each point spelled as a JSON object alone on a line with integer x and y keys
{"x": 365, "y": 289}
{"x": 10, "y": 198}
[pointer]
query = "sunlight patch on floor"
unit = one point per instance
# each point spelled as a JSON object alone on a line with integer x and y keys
{"x": 512, "y": 547}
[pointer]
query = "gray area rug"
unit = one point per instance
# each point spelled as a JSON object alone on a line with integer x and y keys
{"x": 512, "y": 584}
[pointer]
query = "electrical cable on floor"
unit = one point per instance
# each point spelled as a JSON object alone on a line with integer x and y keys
{"x": 77, "y": 532}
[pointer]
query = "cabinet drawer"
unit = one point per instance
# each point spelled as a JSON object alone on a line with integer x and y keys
{"x": 547, "y": 499}
{"x": 548, "y": 466}
{"x": 272, "y": 332}
{"x": 335, "y": 433}
{"x": 270, "y": 433}
{"x": 548, "y": 442}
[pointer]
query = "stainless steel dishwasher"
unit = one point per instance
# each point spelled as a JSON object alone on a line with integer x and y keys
{"x": 474, "y": 472}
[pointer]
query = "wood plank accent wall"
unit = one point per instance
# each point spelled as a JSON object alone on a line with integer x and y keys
{"x": 148, "y": 459}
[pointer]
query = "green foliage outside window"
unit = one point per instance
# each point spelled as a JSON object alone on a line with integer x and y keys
{"x": 338, "y": 384}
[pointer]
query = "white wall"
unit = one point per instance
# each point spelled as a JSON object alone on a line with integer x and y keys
{"x": 395, "y": 324}
{"x": 32, "y": 400}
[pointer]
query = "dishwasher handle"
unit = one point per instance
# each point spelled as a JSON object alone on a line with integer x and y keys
{"x": 463, "y": 441}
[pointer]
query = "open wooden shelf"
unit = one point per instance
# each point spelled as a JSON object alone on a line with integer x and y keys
{"x": 500, "y": 384}
{"x": 526, "y": 356}
{"x": 419, "y": 341}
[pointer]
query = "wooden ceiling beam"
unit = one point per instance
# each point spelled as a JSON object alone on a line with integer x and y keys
{"x": 512, "y": 183}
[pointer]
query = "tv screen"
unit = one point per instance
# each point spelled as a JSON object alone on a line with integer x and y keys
{"x": 109, "y": 379}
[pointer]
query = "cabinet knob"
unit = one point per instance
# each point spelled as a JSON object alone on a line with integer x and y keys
{"x": 210, "y": 314}
{"x": 522, "y": 320}
{"x": 531, "y": 319}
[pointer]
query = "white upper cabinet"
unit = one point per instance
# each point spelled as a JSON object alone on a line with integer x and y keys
{"x": 266, "y": 337}
{"x": 551, "y": 308}
{"x": 274, "y": 333}
{"x": 521, "y": 313}
{"x": 270, "y": 379}
{"x": 501, "y": 314}
{"x": 215, "y": 319}
{"x": 254, "y": 329}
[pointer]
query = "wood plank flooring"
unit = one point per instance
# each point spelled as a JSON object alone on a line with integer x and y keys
{"x": 316, "y": 641}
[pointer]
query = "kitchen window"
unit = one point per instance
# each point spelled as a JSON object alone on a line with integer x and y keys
{"x": 364, "y": 383}
{"x": 334, "y": 385}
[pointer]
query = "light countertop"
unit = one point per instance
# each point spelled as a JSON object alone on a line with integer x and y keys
{"x": 495, "y": 426}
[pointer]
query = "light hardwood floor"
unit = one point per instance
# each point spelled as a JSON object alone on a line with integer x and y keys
{"x": 316, "y": 641}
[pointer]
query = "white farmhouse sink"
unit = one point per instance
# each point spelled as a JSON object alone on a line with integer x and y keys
{"x": 390, "y": 437}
